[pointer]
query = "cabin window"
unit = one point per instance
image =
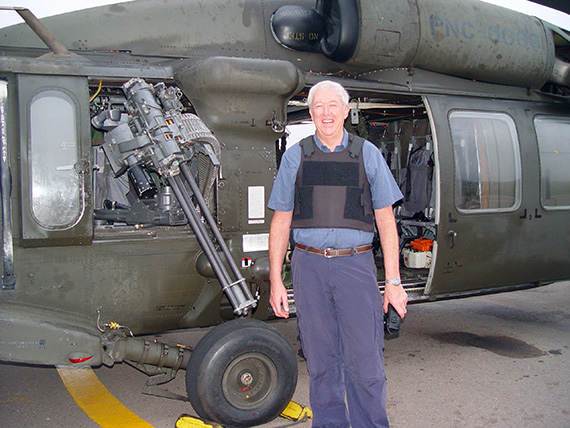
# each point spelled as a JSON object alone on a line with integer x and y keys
{"x": 55, "y": 184}
{"x": 487, "y": 161}
{"x": 554, "y": 149}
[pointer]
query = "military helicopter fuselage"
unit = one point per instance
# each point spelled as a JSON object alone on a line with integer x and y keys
{"x": 139, "y": 148}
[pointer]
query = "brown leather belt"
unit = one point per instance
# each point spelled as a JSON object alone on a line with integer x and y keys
{"x": 334, "y": 252}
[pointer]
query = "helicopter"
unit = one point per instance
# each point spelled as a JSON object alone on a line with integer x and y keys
{"x": 140, "y": 142}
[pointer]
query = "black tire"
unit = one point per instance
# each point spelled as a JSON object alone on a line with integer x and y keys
{"x": 242, "y": 373}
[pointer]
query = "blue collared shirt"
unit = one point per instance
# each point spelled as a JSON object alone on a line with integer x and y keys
{"x": 383, "y": 187}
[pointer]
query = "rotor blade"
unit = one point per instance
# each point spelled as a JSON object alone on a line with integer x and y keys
{"x": 561, "y": 5}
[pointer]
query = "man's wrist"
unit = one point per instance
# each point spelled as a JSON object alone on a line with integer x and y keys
{"x": 394, "y": 281}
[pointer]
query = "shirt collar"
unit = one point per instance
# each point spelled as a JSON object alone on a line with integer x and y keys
{"x": 343, "y": 144}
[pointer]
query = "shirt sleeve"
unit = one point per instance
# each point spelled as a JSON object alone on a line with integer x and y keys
{"x": 283, "y": 194}
{"x": 383, "y": 187}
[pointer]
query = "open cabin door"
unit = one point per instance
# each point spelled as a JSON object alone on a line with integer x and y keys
{"x": 492, "y": 227}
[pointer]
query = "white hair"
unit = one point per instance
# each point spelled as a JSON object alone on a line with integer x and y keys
{"x": 329, "y": 84}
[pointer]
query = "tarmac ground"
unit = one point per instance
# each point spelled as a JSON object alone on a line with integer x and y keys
{"x": 499, "y": 361}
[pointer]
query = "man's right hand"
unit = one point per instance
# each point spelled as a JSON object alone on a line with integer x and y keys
{"x": 278, "y": 243}
{"x": 278, "y": 299}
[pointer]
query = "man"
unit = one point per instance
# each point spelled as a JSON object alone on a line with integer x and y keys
{"x": 330, "y": 189}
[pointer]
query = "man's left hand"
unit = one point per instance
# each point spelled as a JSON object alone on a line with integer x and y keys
{"x": 397, "y": 296}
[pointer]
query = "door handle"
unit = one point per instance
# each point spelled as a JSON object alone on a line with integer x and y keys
{"x": 452, "y": 234}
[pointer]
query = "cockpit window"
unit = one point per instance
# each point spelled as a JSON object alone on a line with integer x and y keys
{"x": 554, "y": 149}
{"x": 55, "y": 184}
{"x": 487, "y": 161}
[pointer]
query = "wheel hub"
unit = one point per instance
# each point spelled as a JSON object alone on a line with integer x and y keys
{"x": 248, "y": 380}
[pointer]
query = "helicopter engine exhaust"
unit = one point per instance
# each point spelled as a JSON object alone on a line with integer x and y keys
{"x": 155, "y": 137}
{"x": 469, "y": 39}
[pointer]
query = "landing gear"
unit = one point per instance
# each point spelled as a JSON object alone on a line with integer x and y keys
{"x": 242, "y": 373}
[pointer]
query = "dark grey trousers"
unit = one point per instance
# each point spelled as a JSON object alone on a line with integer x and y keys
{"x": 340, "y": 316}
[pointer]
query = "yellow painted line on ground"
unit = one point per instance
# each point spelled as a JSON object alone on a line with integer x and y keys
{"x": 96, "y": 400}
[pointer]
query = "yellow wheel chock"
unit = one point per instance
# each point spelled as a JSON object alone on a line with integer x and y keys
{"x": 293, "y": 412}
{"x": 296, "y": 412}
{"x": 187, "y": 421}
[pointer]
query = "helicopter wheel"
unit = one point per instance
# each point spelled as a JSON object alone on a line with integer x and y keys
{"x": 241, "y": 373}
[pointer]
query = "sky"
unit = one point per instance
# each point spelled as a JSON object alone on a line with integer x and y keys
{"x": 42, "y": 8}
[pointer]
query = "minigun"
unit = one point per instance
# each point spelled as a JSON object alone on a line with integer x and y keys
{"x": 157, "y": 136}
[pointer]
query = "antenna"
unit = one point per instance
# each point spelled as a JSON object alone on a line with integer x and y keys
{"x": 40, "y": 29}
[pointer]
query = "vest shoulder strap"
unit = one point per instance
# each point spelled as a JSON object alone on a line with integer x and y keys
{"x": 308, "y": 146}
{"x": 355, "y": 145}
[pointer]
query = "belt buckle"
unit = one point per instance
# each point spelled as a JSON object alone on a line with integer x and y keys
{"x": 328, "y": 253}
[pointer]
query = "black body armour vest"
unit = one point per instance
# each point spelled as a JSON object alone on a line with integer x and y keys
{"x": 332, "y": 190}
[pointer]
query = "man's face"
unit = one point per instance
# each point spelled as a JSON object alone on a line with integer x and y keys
{"x": 328, "y": 114}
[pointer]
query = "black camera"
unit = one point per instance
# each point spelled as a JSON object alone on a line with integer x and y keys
{"x": 392, "y": 321}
